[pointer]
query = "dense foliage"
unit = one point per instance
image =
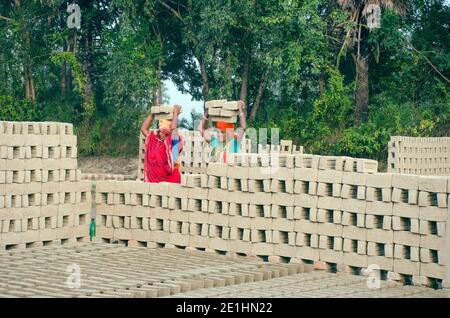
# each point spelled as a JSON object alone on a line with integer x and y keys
{"x": 294, "y": 62}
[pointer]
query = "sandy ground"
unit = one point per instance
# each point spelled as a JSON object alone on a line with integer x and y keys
{"x": 109, "y": 165}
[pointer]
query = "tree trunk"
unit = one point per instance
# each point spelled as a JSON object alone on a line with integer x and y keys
{"x": 155, "y": 96}
{"x": 63, "y": 79}
{"x": 29, "y": 88}
{"x": 205, "y": 81}
{"x": 72, "y": 48}
{"x": 362, "y": 89}
{"x": 63, "y": 82}
{"x": 88, "y": 92}
{"x": 321, "y": 85}
{"x": 160, "y": 94}
{"x": 30, "y": 92}
{"x": 257, "y": 103}
{"x": 362, "y": 77}
{"x": 88, "y": 69}
{"x": 244, "y": 85}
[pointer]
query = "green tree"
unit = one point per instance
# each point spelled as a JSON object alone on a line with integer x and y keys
{"x": 355, "y": 39}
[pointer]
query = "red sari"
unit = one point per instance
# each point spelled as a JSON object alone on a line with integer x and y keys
{"x": 159, "y": 165}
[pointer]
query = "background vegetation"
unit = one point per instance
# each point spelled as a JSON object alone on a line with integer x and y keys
{"x": 311, "y": 68}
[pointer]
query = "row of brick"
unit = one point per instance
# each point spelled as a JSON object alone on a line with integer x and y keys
{"x": 42, "y": 197}
{"x": 336, "y": 230}
{"x": 35, "y": 128}
{"x": 423, "y": 156}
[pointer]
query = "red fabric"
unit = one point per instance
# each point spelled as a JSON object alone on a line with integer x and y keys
{"x": 158, "y": 161}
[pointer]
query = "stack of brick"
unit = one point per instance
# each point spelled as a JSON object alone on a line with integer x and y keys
{"x": 141, "y": 156}
{"x": 222, "y": 110}
{"x": 285, "y": 147}
{"x": 107, "y": 176}
{"x": 332, "y": 211}
{"x": 199, "y": 210}
{"x": 42, "y": 198}
{"x": 434, "y": 208}
{"x": 150, "y": 213}
{"x": 419, "y": 215}
{"x": 162, "y": 111}
{"x": 419, "y": 155}
{"x": 245, "y": 198}
{"x": 377, "y": 230}
{"x": 195, "y": 153}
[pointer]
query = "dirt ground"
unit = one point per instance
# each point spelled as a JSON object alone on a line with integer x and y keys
{"x": 109, "y": 165}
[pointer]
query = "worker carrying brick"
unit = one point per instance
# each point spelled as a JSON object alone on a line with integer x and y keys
{"x": 162, "y": 149}
{"x": 223, "y": 138}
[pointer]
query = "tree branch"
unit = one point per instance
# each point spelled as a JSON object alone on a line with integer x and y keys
{"x": 7, "y": 19}
{"x": 344, "y": 46}
{"x": 429, "y": 62}
{"x": 172, "y": 10}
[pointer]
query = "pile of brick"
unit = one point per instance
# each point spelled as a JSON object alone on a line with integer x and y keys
{"x": 42, "y": 198}
{"x": 105, "y": 272}
{"x": 222, "y": 110}
{"x": 419, "y": 155}
{"x": 162, "y": 111}
{"x": 285, "y": 147}
{"x": 195, "y": 153}
{"x": 316, "y": 284}
{"x": 141, "y": 156}
{"x": 106, "y": 176}
{"x": 333, "y": 211}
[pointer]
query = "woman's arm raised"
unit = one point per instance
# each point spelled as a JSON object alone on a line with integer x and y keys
{"x": 202, "y": 127}
{"x": 146, "y": 124}
{"x": 176, "y": 112}
{"x": 242, "y": 120}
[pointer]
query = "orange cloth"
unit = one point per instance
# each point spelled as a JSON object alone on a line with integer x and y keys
{"x": 223, "y": 126}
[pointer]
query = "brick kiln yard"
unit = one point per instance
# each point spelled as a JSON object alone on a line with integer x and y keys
{"x": 112, "y": 270}
{"x": 254, "y": 227}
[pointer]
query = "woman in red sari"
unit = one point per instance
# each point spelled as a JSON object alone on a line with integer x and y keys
{"x": 162, "y": 149}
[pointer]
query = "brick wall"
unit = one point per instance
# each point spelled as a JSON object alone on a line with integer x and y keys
{"x": 422, "y": 156}
{"x": 42, "y": 197}
{"x": 334, "y": 210}
{"x": 329, "y": 210}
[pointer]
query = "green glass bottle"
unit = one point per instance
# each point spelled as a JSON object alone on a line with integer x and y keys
{"x": 92, "y": 229}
